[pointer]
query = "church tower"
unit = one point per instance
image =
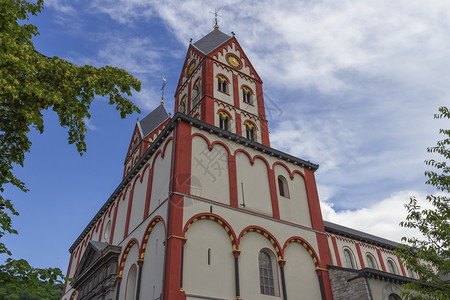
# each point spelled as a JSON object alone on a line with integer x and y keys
{"x": 206, "y": 208}
{"x": 218, "y": 85}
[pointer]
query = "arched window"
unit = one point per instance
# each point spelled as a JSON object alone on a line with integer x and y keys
{"x": 224, "y": 120}
{"x": 247, "y": 95}
{"x": 349, "y": 259}
{"x": 250, "y": 131}
{"x": 196, "y": 92}
{"x": 370, "y": 261}
{"x": 182, "y": 106}
{"x": 283, "y": 186}
{"x": 222, "y": 82}
{"x": 266, "y": 274}
{"x": 131, "y": 283}
{"x": 394, "y": 297}
{"x": 411, "y": 273}
{"x": 391, "y": 267}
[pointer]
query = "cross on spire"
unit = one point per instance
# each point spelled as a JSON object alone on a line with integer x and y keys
{"x": 216, "y": 18}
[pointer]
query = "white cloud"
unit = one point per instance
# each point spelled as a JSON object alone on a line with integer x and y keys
{"x": 380, "y": 219}
{"x": 89, "y": 124}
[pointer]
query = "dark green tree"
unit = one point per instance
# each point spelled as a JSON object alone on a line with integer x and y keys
{"x": 30, "y": 83}
{"x": 429, "y": 255}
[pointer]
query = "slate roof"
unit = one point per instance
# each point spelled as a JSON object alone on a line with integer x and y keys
{"x": 211, "y": 41}
{"x": 359, "y": 235}
{"x": 153, "y": 120}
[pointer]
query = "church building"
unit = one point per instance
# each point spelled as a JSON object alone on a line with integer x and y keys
{"x": 207, "y": 209}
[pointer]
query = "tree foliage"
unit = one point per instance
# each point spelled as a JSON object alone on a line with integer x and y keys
{"x": 30, "y": 83}
{"x": 430, "y": 256}
{"x": 18, "y": 280}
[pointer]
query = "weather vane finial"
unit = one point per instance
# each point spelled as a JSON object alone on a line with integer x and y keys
{"x": 216, "y": 18}
{"x": 162, "y": 90}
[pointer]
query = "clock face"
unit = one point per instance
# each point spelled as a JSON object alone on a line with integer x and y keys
{"x": 190, "y": 68}
{"x": 234, "y": 61}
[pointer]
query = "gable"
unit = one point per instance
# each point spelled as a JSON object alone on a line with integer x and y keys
{"x": 233, "y": 47}
{"x": 91, "y": 255}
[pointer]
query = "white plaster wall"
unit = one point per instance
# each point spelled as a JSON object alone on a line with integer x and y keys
{"x": 199, "y": 278}
{"x": 152, "y": 270}
{"x": 132, "y": 258}
{"x": 220, "y": 95}
{"x": 232, "y": 49}
{"x": 301, "y": 278}
{"x": 161, "y": 178}
{"x": 210, "y": 176}
{"x": 390, "y": 255}
{"x": 245, "y": 106}
{"x": 333, "y": 254}
{"x": 251, "y": 244}
{"x": 345, "y": 244}
{"x": 369, "y": 250}
{"x": 121, "y": 217}
{"x": 138, "y": 204}
{"x": 294, "y": 209}
{"x": 239, "y": 220}
{"x": 232, "y": 112}
{"x": 255, "y": 184}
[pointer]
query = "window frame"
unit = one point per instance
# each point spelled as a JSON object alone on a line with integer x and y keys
{"x": 267, "y": 273}
{"x": 350, "y": 257}
{"x": 283, "y": 187}
{"x": 222, "y": 83}
{"x": 250, "y": 131}
{"x": 370, "y": 257}
{"x": 392, "y": 267}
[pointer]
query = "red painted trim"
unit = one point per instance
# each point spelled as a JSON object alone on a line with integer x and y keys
{"x": 238, "y": 124}
{"x": 251, "y": 122}
{"x": 313, "y": 201}
{"x": 215, "y": 218}
{"x": 124, "y": 256}
{"x": 301, "y": 241}
{"x": 182, "y": 152}
{"x": 113, "y": 224}
{"x": 130, "y": 204}
{"x": 325, "y": 256}
{"x": 189, "y": 98}
{"x": 336, "y": 251}
{"x": 101, "y": 229}
{"x": 381, "y": 260}
{"x": 147, "y": 233}
{"x": 361, "y": 259}
{"x": 226, "y": 77}
{"x": 73, "y": 295}
{"x": 225, "y": 111}
{"x": 262, "y": 115}
{"x": 273, "y": 193}
{"x": 79, "y": 255}
{"x": 236, "y": 91}
{"x": 211, "y": 145}
{"x": 266, "y": 234}
{"x": 401, "y": 265}
{"x": 234, "y": 202}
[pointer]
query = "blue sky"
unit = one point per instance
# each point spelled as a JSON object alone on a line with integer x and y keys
{"x": 350, "y": 85}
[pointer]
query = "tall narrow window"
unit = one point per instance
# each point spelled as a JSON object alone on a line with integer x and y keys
{"x": 182, "y": 106}
{"x": 250, "y": 131}
{"x": 222, "y": 82}
{"x": 391, "y": 267}
{"x": 247, "y": 95}
{"x": 224, "y": 120}
{"x": 283, "y": 186}
{"x": 370, "y": 261}
{"x": 196, "y": 92}
{"x": 131, "y": 283}
{"x": 209, "y": 256}
{"x": 266, "y": 274}
{"x": 349, "y": 259}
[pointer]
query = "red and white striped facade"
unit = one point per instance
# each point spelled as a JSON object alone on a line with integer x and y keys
{"x": 198, "y": 204}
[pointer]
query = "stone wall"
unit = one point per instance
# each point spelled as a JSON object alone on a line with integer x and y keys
{"x": 346, "y": 285}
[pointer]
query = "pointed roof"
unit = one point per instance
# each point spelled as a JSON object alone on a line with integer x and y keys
{"x": 211, "y": 41}
{"x": 153, "y": 120}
